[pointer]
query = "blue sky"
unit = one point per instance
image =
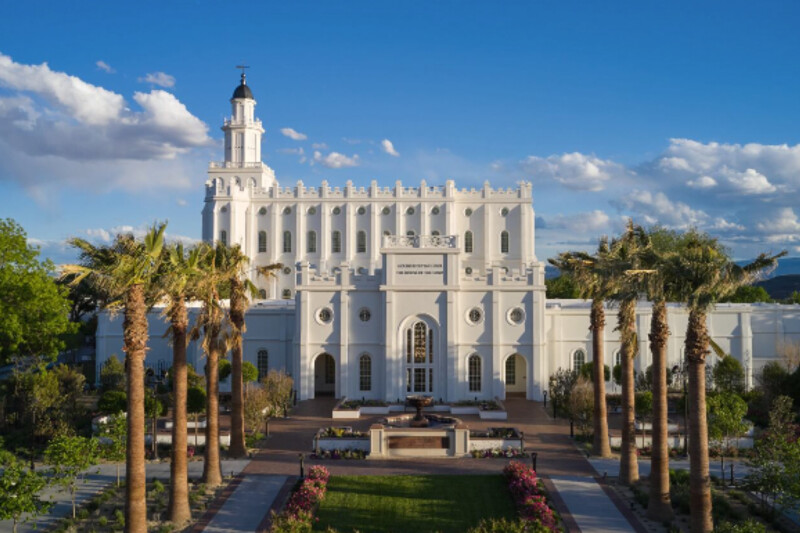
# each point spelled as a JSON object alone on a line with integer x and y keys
{"x": 672, "y": 113}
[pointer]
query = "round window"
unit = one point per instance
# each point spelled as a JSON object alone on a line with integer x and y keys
{"x": 386, "y": 210}
{"x": 504, "y": 211}
{"x": 364, "y": 314}
{"x": 410, "y": 211}
{"x": 287, "y": 210}
{"x": 325, "y": 315}
{"x": 361, "y": 210}
{"x": 435, "y": 211}
{"x": 287, "y": 270}
{"x": 475, "y": 315}
{"x": 224, "y": 209}
{"x": 262, "y": 211}
{"x": 468, "y": 270}
{"x": 312, "y": 210}
{"x": 468, "y": 211}
{"x": 337, "y": 210}
{"x": 516, "y": 315}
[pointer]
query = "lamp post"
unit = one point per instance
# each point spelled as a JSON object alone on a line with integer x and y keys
{"x": 154, "y": 382}
{"x": 545, "y": 399}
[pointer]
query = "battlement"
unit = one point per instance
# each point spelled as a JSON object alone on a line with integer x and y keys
{"x": 222, "y": 186}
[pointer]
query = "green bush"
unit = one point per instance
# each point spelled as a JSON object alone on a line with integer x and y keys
{"x": 680, "y": 498}
{"x": 748, "y": 526}
{"x": 504, "y": 525}
{"x": 119, "y": 516}
{"x": 102, "y": 521}
{"x": 82, "y": 514}
{"x": 158, "y": 487}
{"x": 679, "y": 477}
{"x": 112, "y": 402}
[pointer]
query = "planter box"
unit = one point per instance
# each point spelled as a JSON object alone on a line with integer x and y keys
{"x": 493, "y": 415}
{"x": 477, "y": 443}
{"x": 329, "y": 444}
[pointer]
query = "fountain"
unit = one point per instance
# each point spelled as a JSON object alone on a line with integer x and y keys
{"x": 419, "y": 402}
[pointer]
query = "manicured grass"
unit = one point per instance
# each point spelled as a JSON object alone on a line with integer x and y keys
{"x": 406, "y": 504}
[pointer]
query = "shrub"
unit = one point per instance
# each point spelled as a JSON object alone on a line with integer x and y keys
{"x": 503, "y": 525}
{"x": 748, "y": 526}
{"x": 112, "y": 402}
{"x": 82, "y": 514}
{"x": 102, "y": 521}
{"x": 527, "y": 495}
{"x": 158, "y": 487}
{"x": 119, "y": 516}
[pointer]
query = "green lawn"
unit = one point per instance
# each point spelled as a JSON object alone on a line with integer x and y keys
{"x": 406, "y": 504}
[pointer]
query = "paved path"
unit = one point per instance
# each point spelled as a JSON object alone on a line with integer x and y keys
{"x": 245, "y": 509}
{"x": 100, "y": 477}
{"x": 589, "y": 505}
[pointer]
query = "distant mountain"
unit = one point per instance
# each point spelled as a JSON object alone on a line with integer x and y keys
{"x": 786, "y": 266}
{"x": 781, "y": 287}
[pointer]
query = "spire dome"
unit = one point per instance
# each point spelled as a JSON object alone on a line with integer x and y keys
{"x": 243, "y": 91}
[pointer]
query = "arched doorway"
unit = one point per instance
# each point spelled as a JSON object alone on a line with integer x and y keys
{"x": 324, "y": 375}
{"x": 516, "y": 376}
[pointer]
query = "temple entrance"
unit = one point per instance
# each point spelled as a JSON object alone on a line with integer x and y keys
{"x": 516, "y": 376}
{"x": 324, "y": 376}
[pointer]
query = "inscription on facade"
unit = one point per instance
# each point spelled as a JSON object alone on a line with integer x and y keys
{"x": 420, "y": 269}
{"x": 442, "y": 443}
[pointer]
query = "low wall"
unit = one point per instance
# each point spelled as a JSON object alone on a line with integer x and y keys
{"x": 166, "y": 438}
{"x": 477, "y": 443}
{"x": 355, "y": 414}
{"x": 329, "y": 444}
{"x": 677, "y": 442}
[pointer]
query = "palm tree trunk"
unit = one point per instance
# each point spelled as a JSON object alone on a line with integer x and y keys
{"x": 601, "y": 446}
{"x": 697, "y": 343}
{"x": 179, "y": 511}
{"x": 135, "y": 346}
{"x": 629, "y": 466}
{"x": 659, "y": 507}
{"x": 212, "y": 471}
{"x": 238, "y": 447}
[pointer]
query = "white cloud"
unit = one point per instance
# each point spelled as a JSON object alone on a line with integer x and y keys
{"x": 388, "y": 147}
{"x": 293, "y": 134}
{"x": 296, "y": 151}
{"x": 106, "y": 235}
{"x": 750, "y": 182}
{"x": 588, "y": 223}
{"x": 319, "y": 146}
{"x": 56, "y": 129}
{"x": 656, "y": 208}
{"x": 105, "y": 67}
{"x": 181, "y": 202}
{"x": 335, "y": 160}
{"x": 159, "y": 78}
{"x": 720, "y": 224}
{"x": 703, "y": 182}
{"x": 573, "y": 170}
{"x": 782, "y": 221}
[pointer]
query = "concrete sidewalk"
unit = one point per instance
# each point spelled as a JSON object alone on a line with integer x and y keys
{"x": 245, "y": 509}
{"x": 589, "y": 505}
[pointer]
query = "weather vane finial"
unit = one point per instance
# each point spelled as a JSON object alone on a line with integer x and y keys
{"x": 243, "y": 74}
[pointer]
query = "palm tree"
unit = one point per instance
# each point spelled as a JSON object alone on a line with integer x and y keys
{"x": 210, "y": 321}
{"x": 126, "y": 273}
{"x": 179, "y": 278}
{"x": 704, "y": 273}
{"x": 593, "y": 284}
{"x": 623, "y": 263}
{"x": 234, "y": 266}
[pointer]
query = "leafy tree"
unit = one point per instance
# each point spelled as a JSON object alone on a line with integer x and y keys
{"x": 775, "y": 464}
{"x": 643, "y": 404}
{"x": 728, "y": 375}
{"x": 562, "y": 287}
{"x": 112, "y": 374}
{"x": 794, "y": 298}
{"x": 224, "y": 369}
{"x": 195, "y": 404}
{"x": 279, "y": 388}
{"x": 561, "y": 385}
{"x": 70, "y": 390}
{"x": 126, "y": 274}
{"x": 249, "y": 372}
{"x": 726, "y": 411}
{"x": 36, "y": 404}
{"x": 34, "y": 310}
{"x": 587, "y": 371}
{"x": 69, "y": 458}
{"x": 19, "y": 494}
{"x": 748, "y": 294}
{"x": 113, "y": 436}
{"x": 112, "y": 402}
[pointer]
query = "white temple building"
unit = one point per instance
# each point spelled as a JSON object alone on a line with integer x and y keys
{"x": 391, "y": 291}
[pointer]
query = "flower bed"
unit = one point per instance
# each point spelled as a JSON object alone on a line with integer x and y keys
{"x": 494, "y": 453}
{"x": 340, "y": 443}
{"x": 336, "y": 453}
{"x": 353, "y": 409}
{"x": 299, "y": 510}
{"x": 529, "y": 496}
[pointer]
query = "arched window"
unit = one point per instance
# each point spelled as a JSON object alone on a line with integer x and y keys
{"x": 286, "y": 294}
{"x": 578, "y": 360}
{"x": 223, "y": 237}
{"x": 311, "y": 242}
{"x": 419, "y": 358}
{"x": 262, "y": 364}
{"x": 365, "y": 372}
{"x": 410, "y": 233}
{"x": 287, "y": 242}
{"x": 511, "y": 371}
{"x": 474, "y": 377}
{"x": 262, "y": 242}
{"x": 504, "y": 242}
{"x": 361, "y": 242}
{"x": 618, "y": 358}
{"x": 262, "y": 294}
{"x": 336, "y": 242}
{"x": 435, "y": 233}
{"x": 468, "y": 242}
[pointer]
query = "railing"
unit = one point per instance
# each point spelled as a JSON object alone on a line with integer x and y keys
{"x": 230, "y": 121}
{"x": 231, "y": 164}
{"x": 419, "y": 241}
